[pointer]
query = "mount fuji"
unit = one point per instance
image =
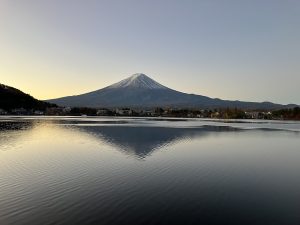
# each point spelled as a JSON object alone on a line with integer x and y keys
{"x": 140, "y": 91}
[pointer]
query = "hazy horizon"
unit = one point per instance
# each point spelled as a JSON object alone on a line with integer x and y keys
{"x": 232, "y": 50}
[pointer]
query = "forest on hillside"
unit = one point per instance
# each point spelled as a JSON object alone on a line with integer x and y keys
{"x": 12, "y": 98}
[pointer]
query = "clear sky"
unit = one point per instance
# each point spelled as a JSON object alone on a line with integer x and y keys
{"x": 233, "y": 49}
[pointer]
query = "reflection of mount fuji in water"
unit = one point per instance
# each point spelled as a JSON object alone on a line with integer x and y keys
{"x": 142, "y": 141}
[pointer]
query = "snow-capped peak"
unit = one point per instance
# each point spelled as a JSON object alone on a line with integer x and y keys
{"x": 138, "y": 80}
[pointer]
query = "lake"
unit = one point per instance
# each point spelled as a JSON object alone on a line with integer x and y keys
{"x": 90, "y": 170}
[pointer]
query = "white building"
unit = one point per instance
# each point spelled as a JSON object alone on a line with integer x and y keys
{"x": 102, "y": 112}
{"x": 124, "y": 112}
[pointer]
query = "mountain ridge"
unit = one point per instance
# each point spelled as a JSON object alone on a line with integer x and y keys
{"x": 138, "y": 80}
{"x": 140, "y": 91}
{"x": 13, "y": 98}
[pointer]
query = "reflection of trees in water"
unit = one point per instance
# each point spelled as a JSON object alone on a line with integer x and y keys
{"x": 19, "y": 125}
{"x": 10, "y": 131}
{"x": 141, "y": 141}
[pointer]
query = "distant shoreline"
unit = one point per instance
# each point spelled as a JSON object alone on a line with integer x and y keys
{"x": 165, "y": 118}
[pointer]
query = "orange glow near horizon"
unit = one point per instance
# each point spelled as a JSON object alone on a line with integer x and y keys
{"x": 230, "y": 50}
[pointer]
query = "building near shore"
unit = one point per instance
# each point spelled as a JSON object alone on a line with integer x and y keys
{"x": 3, "y": 112}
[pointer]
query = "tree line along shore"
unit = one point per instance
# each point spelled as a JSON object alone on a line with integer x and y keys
{"x": 224, "y": 113}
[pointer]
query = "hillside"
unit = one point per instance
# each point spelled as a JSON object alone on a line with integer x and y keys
{"x": 12, "y": 98}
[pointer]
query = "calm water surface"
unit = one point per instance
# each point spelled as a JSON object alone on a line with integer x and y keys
{"x": 68, "y": 170}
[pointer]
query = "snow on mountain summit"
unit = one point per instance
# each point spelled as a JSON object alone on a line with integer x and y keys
{"x": 138, "y": 80}
{"x": 140, "y": 91}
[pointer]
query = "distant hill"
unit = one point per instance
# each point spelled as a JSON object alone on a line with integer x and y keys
{"x": 140, "y": 91}
{"x": 12, "y": 98}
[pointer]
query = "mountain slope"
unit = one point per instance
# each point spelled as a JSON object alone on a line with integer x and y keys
{"x": 12, "y": 98}
{"x": 138, "y": 80}
{"x": 140, "y": 91}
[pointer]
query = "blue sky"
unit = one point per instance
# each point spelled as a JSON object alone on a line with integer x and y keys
{"x": 247, "y": 50}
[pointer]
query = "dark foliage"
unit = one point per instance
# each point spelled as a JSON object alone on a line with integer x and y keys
{"x": 12, "y": 98}
{"x": 78, "y": 111}
{"x": 291, "y": 114}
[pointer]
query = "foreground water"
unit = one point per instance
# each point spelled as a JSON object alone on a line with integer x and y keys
{"x": 65, "y": 170}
